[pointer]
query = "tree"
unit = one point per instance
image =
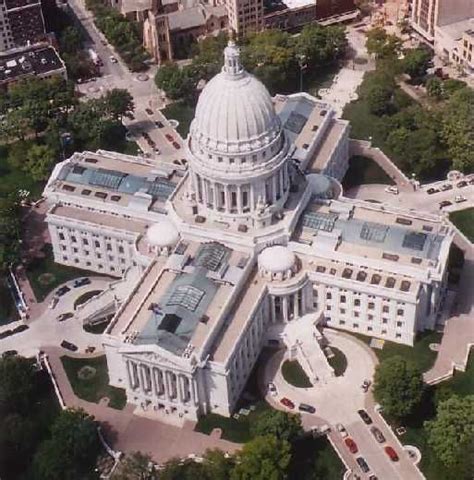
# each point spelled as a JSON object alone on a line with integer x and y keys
{"x": 398, "y": 386}
{"x": 321, "y": 45}
{"x": 118, "y": 102}
{"x": 434, "y": 88}
{"x": 177, "y": 83}
{"x": 39, "y": 162}
{"x": 416, "y": 62}
{"x": 378, "y": 99}
{"x": 9, "y": 254}
{"x": 70, "y": 40}
{"x": 451, "y": 433}
{"x": 263, "y": 458}
{"x": 208, "y": 56}
{"x": 458, "y": 129}
{"x": 17, "y": 383}
{"x": 137, "y": 466}
{"x": 283, "y": 425}
{"x": 381, "y": 44}
{"x": 72, "y": 450}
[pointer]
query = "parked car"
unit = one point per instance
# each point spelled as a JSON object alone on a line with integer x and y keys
{"x": 9, "y": 353}
{"x": 304, "y": 407}
{"x": 64, "y": 316}
{"x": 445, "y": 203}
{"x": 461, "y": 184}
{"x": 113, "y": 59}
{"x": 159, "y": 124}
{"x": 20, "y": 328}
{"x": 69, "y": 346}
{"x": 149, "y": 111}
{"x": 471, "y": 181}
{"x": 391, "y": 453}
{"x": 351, "y": 445}
{"x": 176, "y": 145}
{"x": 169, "y": 137}
{"x": 377, "y": 434}
{"x": 365, "y": 417}
{"x": 392, "y": 189}
{"x": 342, "y": 430}
{"x": 362, "y": 464}
{"x": 446, "y": 187}
{"x": 157, "y": 151}
{"x": 432, "y": 190}
{"x": 62, "y": 291}
{"x": 287, "y": 403}
{"x": 81, "y": 282}
{"x": 373, "y": 477}
{"x": 272, "y": 390}
{"x": 459, "y": 199}
{"x": 365, "y": 385}
{"x": 53, "y": 302}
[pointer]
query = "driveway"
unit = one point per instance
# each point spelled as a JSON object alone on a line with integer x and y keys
{"x": 337, "y": 401}
{"x": 46, "y": 331}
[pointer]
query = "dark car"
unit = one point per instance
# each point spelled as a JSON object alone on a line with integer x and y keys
{"x": 176, "y": 145}
{"x": 287, "y": 403}
{"x": 377, "y": 434}
{"x": 445, "y": 203}
{"x": 461, "y": 184}
{"x": 149, "y": 111}
{"x": 391, "y": 453}
{"x": 5, "y": 334}
{"x": 64, "y": 316}
{"x": 446, "y": 186}
{"x": 80, "y": 282}
{"x": 362, "y": 464}
{"x": 304, "y": 407}
{"x": 62, "y": 291}
{"x": 432, "y": 190}
{"x": 9, "y": 353}
{"x": 169, "y": 137}
{"x": 69, "y": 346}
{"x": 159, "y": 124}
{"x": 365, "y": 417}
{"x": 20, "y": 328}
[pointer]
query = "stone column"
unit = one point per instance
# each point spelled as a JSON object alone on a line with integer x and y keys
{"x": 239, "y": 199}
{"x": 129, "y": 374}
{"x": 284, "y": 308}
{"x": 295, "y": 305}
{"x": 194, "y": 391}
{"x": 167, "y": 385}
{"x": 228, "y": 200}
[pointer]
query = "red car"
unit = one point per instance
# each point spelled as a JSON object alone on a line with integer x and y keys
{"x": 288, "y": 403}
{"x": 169, "y": 137}
{"x": 351, "y": 445}
{"x": 176, "y": 145}
{"x": 391, "y": 453}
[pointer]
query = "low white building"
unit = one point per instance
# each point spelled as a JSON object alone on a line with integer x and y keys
{"x": 255, "y": 233}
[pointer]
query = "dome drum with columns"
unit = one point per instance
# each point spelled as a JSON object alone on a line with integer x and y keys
{"x": 238, "y": 152}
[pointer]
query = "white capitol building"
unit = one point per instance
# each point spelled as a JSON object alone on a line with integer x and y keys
{"x": 253, "y": 234}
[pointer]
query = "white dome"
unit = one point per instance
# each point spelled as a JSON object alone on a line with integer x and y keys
{"x": 235, "y": 113}
{"x": 276, "y": 259}
{"x": 162, "y": 234}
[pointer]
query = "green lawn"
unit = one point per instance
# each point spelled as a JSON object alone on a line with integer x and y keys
{"x": 85, "y": 297}
{"x": 322, "y": 77}
{"x": 183, "y": 113}
{"x": 464, "y": 220}
{"x": 97, "y": 387}
{"x": 44, "y": 284}
{"x": 294, "y": 374}
{"x": 420, "y": 353}
{"x": 97, "y": 328}
{"x": 363, "y": 171}
{"x": 314, "y": 458}
{"x": 338, "y": 362}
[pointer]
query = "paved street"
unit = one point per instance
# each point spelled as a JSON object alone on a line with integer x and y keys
{"x": 337, "y": 401}
{"x": 45, "y": 330}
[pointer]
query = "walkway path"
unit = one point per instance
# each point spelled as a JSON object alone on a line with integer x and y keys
{"x": 338, "y": 401}
{"x": 127, "y": 432}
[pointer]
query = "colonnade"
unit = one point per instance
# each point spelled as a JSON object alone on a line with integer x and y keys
{"x": 241, "y": 198}
{"x": 162, "y": 384}
{"x": 284, "y": 308}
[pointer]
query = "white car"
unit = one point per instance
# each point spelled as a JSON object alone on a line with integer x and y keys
{"x": 113, "y": 59}
{"x": 272, "y": 390}
{"x": 341, "y": 429}
{"x": 54, "y": 302}
{"x": 392, "y": 189}
{"x": 459, "y": 199}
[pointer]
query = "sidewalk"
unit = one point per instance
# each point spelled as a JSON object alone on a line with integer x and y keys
{"x": 127, "y": 432}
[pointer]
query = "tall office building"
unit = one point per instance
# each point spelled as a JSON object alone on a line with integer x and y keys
{"x": 428, "y": 14}
{"x": 245, "y": 16}
{"x": 21, "y": 22}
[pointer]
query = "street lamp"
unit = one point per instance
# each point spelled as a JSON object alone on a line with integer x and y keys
{"x": 303, "y": 66}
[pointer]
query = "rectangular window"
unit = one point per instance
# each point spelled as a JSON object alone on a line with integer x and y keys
{"x": 400, "y": 312}
{"x": 357, "y": 302}
{"x": 369, "y": 328}
{"x": 97, "y": 243}
{"x": 385, "y": 309}
{"x": 343, "y": 299}
{"x": 355, "y": 325}
{"x": 328, "y": 295}
{"x": 399, "y": 324}
{"x": 120, "y": 249}
{"x": 342, "y": 322}
{"x": 384, "y": 320}
{"x": 371, "y": 305}
{"x": 61, "y": 236}
{"x": 343, "y": 310}
{"x": 73, "y": 239}
{"x": 109, "y": 247}
{"x": 85, "y": 241}
{"x": 356, "y": 314}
